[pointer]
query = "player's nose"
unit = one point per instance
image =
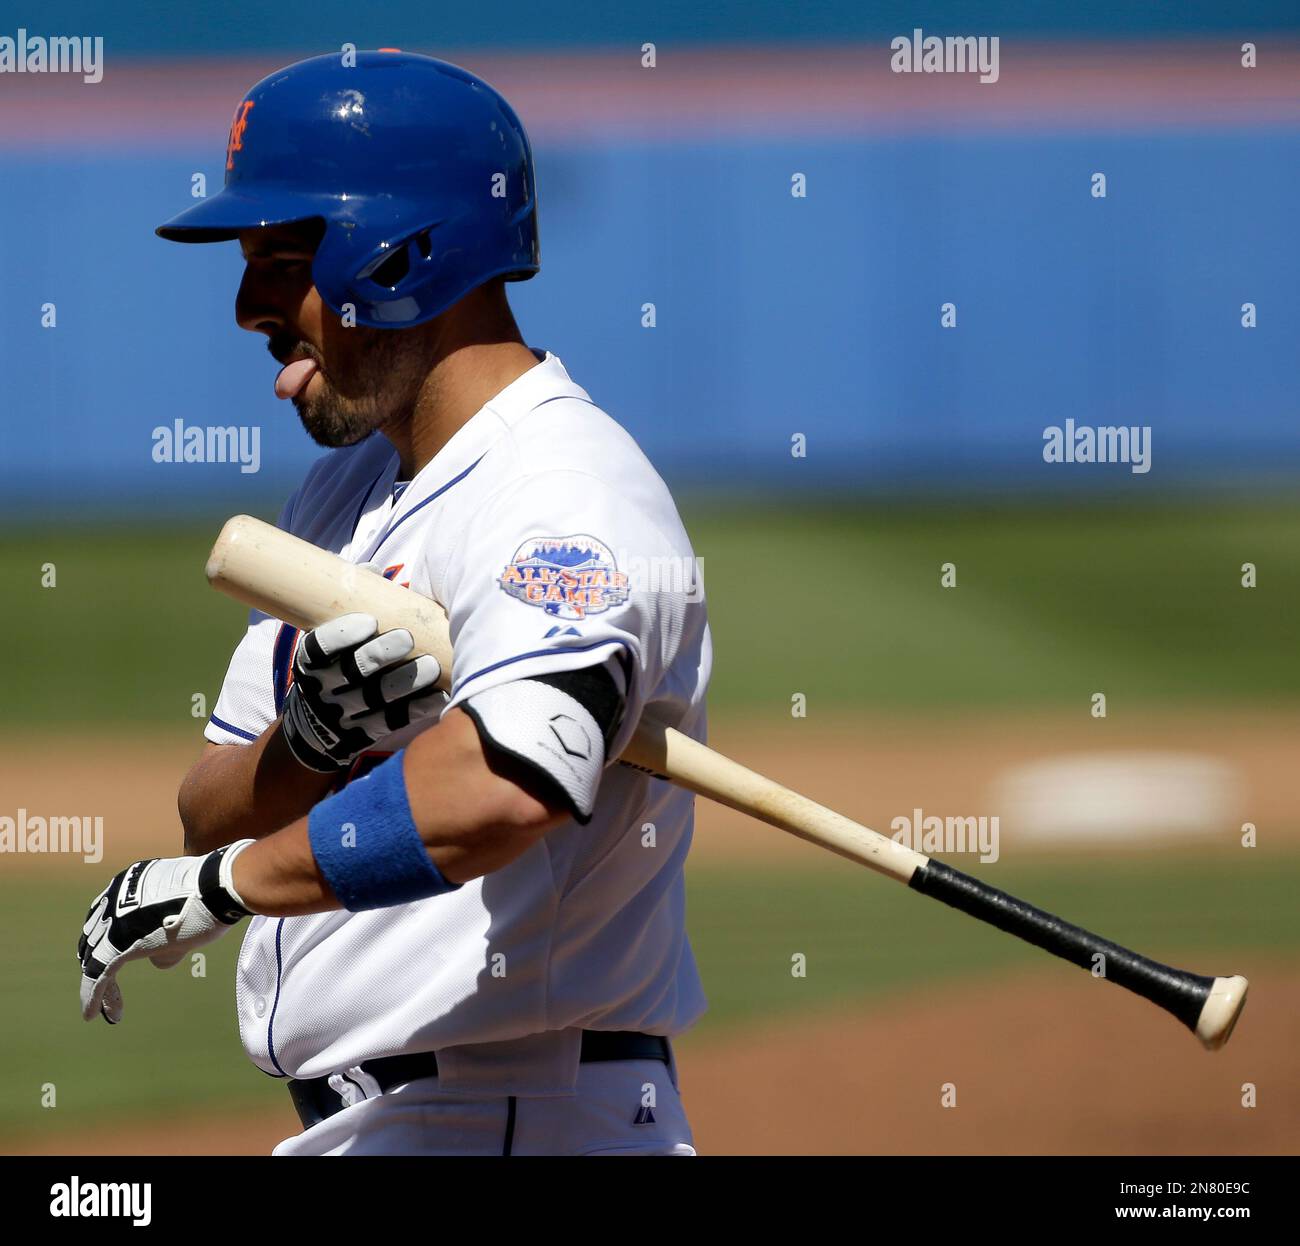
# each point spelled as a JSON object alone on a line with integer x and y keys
{"x": 255, "y": 308}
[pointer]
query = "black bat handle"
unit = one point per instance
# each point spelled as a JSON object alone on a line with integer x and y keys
{"x": 1177, "y": 991}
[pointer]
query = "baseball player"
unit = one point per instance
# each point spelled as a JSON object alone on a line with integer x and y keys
{"x": 465, "y": 926}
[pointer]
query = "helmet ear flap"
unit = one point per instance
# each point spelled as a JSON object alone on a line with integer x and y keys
{"x": 392, "y": 267}
{"x": 382, "y": 282}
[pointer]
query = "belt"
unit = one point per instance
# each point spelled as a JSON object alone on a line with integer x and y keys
{"x": 316, "y": 1100}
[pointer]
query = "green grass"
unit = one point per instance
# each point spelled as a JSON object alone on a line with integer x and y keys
{"x": 844, "y": 605}
{"x": 864, "y": 939}
{"x": 1050, "y": 606}
{"x": 177, "y": 1048}
{"x": 129, "y": 634}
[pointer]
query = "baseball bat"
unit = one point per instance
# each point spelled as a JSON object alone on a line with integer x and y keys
{"x": 292, "y": 580}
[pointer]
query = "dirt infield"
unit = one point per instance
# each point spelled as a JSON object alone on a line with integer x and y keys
{"x": 1041, "y": 1064}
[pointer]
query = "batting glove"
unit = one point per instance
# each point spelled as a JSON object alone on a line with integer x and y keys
{"x": 162, "y": 909}
{"x": 349, "y": 691}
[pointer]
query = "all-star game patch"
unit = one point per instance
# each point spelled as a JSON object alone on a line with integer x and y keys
{"x": 569, "y": 577}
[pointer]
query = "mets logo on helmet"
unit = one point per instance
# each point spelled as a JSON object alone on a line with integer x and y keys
{"x": 569, "y": 577}
{"x": 237, "y": 128}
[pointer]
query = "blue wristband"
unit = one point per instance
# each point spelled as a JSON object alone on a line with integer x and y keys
{"x": 365, "y": 843}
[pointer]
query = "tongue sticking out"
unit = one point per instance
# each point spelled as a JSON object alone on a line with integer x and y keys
{"x": 294, "y": 376}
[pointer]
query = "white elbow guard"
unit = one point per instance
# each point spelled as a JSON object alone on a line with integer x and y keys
{"x": 559, "y": 725}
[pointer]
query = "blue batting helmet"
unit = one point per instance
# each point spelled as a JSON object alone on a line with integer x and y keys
{"x": 421, "y": 173}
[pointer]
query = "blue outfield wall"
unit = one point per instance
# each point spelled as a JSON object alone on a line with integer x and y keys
{"x": 775, "y": 315}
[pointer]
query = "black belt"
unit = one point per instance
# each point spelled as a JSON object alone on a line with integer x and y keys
{"x": 316, "y": 1100}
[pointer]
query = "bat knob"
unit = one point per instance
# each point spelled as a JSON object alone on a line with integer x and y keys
{"x": 1220, "y": 1011}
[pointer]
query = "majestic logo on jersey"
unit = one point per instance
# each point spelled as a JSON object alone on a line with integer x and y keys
{"x": 237, "y": 128}
{"x": 567, "y": 576}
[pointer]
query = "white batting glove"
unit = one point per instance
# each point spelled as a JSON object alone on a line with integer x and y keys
{"x": 162, "y": 909}
{"x": 351, "y": 688}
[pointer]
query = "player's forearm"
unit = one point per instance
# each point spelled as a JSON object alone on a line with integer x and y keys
{"x": 245, "y": 792}
{"x": 471, "y": 815}
{"x": 282, "y": 879}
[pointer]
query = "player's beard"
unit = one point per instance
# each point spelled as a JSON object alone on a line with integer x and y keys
{"x": 379, "y": 388}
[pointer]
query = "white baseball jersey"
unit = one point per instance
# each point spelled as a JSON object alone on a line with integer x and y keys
{"x": 541, "y": 528}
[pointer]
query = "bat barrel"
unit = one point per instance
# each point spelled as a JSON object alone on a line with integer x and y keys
{"x": 1209, "y": 1007}
{"x": 294, "y": 581}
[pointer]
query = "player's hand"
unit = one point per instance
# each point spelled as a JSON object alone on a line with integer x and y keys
{"x": 352, "y": 687}
{"x": 161, "y": 909}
